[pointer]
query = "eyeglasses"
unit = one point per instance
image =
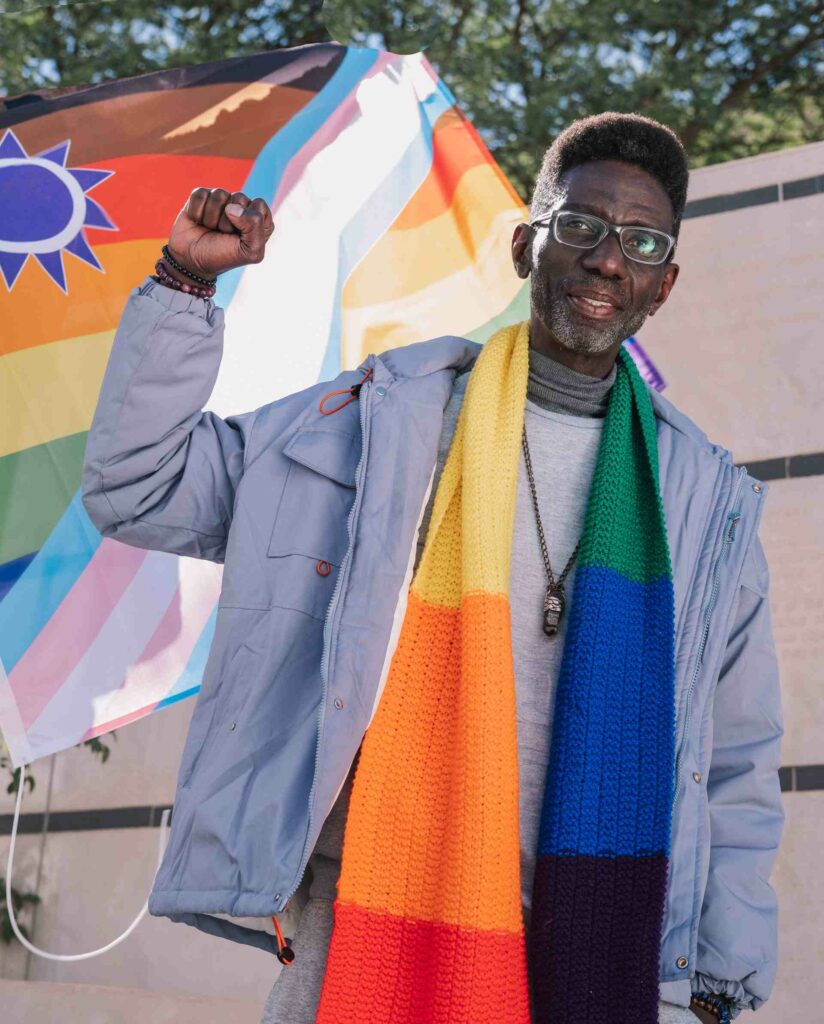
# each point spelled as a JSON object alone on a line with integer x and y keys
{"x": 585, "y": 231}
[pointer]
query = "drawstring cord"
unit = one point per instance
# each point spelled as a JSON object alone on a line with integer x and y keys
{"x": 285, "y": 953}
{"x": 353, "y": 393}
{"x": 164, "y": 821}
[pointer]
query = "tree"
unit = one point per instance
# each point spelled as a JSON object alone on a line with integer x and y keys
{"x": 733, "y": 77}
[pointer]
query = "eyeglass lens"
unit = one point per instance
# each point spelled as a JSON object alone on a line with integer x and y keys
{"x": 642, "y": 244}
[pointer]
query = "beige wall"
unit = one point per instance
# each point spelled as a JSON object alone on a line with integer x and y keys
{"x": 95, "y": 882}
{"x": 739, "y": 345}
{"x": 68, "y": 1003}
{"x": 739, "y": 341}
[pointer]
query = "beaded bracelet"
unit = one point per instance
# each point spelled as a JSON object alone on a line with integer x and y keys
{"x": 714, "y": 1004}
{"x": 164, "y": 277}
{"x": 173, "y": 262}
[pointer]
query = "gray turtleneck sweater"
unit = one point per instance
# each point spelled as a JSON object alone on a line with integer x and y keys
{"x": 556, "y": 387}
{"x": 564, "y": 415}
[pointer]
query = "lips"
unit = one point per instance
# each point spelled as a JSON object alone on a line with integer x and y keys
{"x": 593, "y": 304}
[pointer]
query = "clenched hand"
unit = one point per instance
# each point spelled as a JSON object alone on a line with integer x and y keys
{"x": 209, "y": 237}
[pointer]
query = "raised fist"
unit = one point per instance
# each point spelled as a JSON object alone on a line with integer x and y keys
{"x": 209, "y": 238}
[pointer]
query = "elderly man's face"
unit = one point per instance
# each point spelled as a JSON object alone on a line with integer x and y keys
{"x": 588, "y": 301}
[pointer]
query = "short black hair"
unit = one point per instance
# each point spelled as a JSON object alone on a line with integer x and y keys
{"x": 632, "y": 138}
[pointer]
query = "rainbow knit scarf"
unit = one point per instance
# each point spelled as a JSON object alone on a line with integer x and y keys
{"x": 428, "y": 924}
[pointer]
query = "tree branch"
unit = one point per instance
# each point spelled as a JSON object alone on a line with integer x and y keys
{"x": 740, "y": 87}
{"x": 457, "y": 28}
{"x": 216, "y": 11}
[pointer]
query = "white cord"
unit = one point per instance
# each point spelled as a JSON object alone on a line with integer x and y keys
{"x": 164, "y": 820}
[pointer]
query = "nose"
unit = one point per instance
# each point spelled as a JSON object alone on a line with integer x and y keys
{"x": 607, "y": 258}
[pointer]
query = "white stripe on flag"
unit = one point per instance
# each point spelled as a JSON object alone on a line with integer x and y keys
{"x": 281, "y": 316}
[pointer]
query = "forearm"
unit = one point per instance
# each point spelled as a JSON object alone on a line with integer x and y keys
{"x": 159, "y": 472}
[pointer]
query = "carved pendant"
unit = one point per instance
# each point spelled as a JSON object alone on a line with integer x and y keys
{"x": 553, "y": 609}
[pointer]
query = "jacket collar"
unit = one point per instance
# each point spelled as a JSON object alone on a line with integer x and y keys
{"x": 448, "y": 352}
{"x": 451, "y": 352}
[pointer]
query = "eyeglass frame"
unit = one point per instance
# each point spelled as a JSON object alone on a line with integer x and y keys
{"x": 548, "y": 220}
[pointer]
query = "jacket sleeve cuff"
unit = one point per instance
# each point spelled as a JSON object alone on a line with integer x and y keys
{"x": 178, "y": 302}
{"x": 737, "y": 996}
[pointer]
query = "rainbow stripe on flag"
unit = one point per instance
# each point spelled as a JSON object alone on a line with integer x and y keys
{"x": 392, "y": 225}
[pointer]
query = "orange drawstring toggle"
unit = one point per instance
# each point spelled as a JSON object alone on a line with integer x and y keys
{"x": 285, "y": 953}
{"x": 353, "y": 393}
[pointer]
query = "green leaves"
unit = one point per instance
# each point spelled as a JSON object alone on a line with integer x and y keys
{"x": 96, "y": 746}
{"x": 732, "y": 77}
{"x": 19, "y": 901}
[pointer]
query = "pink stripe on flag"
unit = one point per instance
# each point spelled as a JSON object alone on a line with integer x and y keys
{"x": 85, "y": 695}
{"x": 116, "y": 723}
{"x": 345, "y": 113}
{"x": 167, "y": 653}
{"x": 65, "y": 638}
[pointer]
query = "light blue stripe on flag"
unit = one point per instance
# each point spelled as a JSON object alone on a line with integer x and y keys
{"x": 46, "y": 581}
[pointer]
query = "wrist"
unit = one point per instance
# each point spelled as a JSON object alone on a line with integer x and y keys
{"x": 710, "y": 1008}
{"x": 184, "y": 275}
{"x": 177, "y": 275}
{"x": 164, "y": 277}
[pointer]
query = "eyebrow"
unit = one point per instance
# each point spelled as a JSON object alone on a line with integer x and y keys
{"x": 588, "y": 208}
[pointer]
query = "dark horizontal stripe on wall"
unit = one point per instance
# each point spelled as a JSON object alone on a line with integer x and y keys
{"x": 786, "y": 466}
{"x": 793, "y": 778}
{"x": 84, "y": 821}
{"x": 755, "y": 197}
{"x": 803, "y": 187}
{"x": 806, "y": 465}
{"x": 731, "y": 201}
{"x": 801, "y": 778}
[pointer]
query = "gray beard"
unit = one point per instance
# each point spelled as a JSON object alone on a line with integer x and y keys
{"x": 550, "y": 304}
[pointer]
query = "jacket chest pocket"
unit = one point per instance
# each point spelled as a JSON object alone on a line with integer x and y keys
{"x": 309, "y": 536}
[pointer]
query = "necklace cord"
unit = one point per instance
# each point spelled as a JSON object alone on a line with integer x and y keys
{"x": 544, "y": 552}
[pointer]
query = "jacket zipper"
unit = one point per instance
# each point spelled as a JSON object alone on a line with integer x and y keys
{"x": 365, "y": 396}
{"x": 730, "y": 524}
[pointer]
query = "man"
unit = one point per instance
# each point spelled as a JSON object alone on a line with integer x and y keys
{"x": 345, "y": 521}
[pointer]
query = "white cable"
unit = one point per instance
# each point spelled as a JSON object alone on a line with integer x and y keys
{"x": 164, "y": 820}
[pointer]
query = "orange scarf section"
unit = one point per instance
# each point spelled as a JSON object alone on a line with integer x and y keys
{"x": 428, "y": 924}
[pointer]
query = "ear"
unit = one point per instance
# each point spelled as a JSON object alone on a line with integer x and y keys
{"x": 668, "y": 280}
{"x": 522, "y": 249}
